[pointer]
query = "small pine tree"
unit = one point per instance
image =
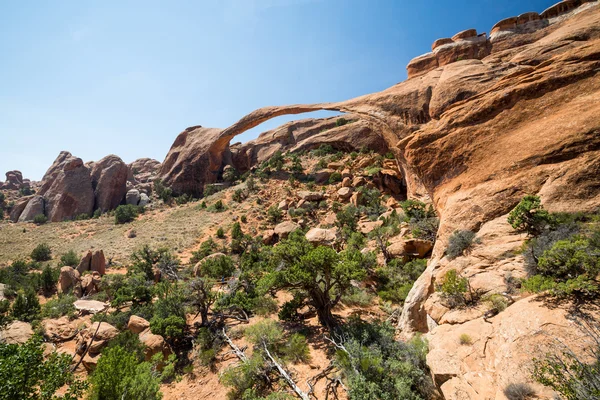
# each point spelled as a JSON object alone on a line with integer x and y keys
{"x": 26, "y": 307}
{"x": 41, "y": 252}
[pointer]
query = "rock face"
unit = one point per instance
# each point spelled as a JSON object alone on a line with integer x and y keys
{"x": 143, "y": 170}
{"x": 67, "y": 189}
{"x": 109, "y": 181}
{"x": 34, "y": 206}
{"x": 104, "y": 333}
{"x": 58, "y": 330}
{"x": 14, "y": 180}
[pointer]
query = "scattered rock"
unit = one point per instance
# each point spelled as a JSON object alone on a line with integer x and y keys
{"x": 345, "y": 193}
{"x": 311, "y": 196}
{"x": 323, "y": 237}
{"x": 58, "y": 330}
{"x": 283, "y": 229}
{"x": 90, "y": 306}
{"x": 133, "y": 197}
{"x": 144, "y": 200}
{"x": 104, "y": 331}
{"x": 137, "y": 324}
{"x": 16, "y": 332}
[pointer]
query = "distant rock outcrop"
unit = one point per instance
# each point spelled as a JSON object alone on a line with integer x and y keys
{"x": 67, "y": 189}
{"x": 143, "y": 170}
{"x": 109, "y": 181}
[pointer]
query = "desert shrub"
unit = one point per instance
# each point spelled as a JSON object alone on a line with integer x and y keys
{"x": 40, "y": 219}
{"x": 26, "y": 306}
{"x": 323, "y": 150}
{"x": 1, "y": 213}
{"x": 397, "y": 278}
{"x": 126, "y": 213}
{"x": 247, "y": 379}
{"x": 206, "y": 248}
{"x": 529, "y": 216}
{"x": 27, "y": 374}
{"x": 209, "y": 190}
{"x": 217, "y": 207}
{"x": 5, "y": 317}
{"x": 59, "y": 307}
{"x": 347, "y": 220}
{"x": 48, "y": 279}
{"x": 425, "y": 228}
{"x": 356, "y": 241}
{"x": 496, "y": 302}
{"x": 574, "y": 375}
{"x": 519, "y": 391}
{"x": 269, "y": 335}
{"x": 69, "y": 259}
{"x": 169, "y": 314}
{"x": 264, "y": 305}
{"x": 372, "y": 171}
{"x": 236, "y": 231}
{"x": 458, "y": 242}
{"x": 357, "y": 297}
{"x": 376, "y": 366}
{"x": 341, "y": 122}
{"x": 130, "y": 341}
{"x": 230, "y": 175}
{"x": 120, "y": 376}
{"x": 415, "y": 209}
{"x": 569, "y": 259}
{"x": 296, "y": 168}
{"x": 276, "y": 161}
{"x": 164, "y": 193}
{"x": 218, "y": 267}
{"x": 183, "y": 199}
{"x": 274, "y": 214}
{"x": 17, "y": 277}
{"x": 97, "y": 213}
{"x": 465, "y": 339}
{"x": 371, "y": 202}
{"x": 238, "y": 195}
{"x": 42, "y": 252}
{"x": 334, "y": 178}
{"x": 146, "y": 260}
{"x": 82, "y": 217}
{"x": 251, "y": 184}
{"x": 220, "y": 233}
{"x": 454, "y": 289}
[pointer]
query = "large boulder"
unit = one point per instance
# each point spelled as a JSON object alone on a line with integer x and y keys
{"x": 90, "y": 283}
{"x": 69, "y": 281}
{"x": 154, "y": 344}
{"x": 133, "y": 197}
{"x": 98, "y": 262}
{"x": 34, "y": 207}
{"x": 85, "y": 263}
{"x": 283, "y": 229}
{"x": 59, "y": 330}
{"x": 67, "y": 189}
{"x": 109, "y": 181}
{"x": 16, "y": 332}
{"x": 137, "y": 324}
{"x": 102, "y": 332}
{"x": 18, "y": 208}
{"x": 322, "y": 237}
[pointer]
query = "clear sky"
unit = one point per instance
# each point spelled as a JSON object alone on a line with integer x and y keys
{"x": 125, "y": 77}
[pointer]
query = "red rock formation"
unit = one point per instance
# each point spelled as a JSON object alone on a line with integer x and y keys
{"x": 109, "y": 178}
{"x": 67, "y": 189}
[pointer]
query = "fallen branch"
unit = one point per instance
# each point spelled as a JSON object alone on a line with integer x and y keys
{"x": 286, "y": 376}
{"x": 311, "y": 382}
{"x": 236, "y": 350}
{"x": 87, "y": 347}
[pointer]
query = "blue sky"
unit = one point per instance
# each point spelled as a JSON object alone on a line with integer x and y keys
{"x": 125, "y": 77}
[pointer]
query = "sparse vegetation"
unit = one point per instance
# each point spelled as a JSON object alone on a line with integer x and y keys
{"x": 41, "y": 252}
{"x": 465, "y": 339}
{"x": 529, "y": 216}
{"x": 40, "y": 219}
{"x": 519, "y": 391}
{"x": 458, "y": 243}
{"x": 126, "y": 213}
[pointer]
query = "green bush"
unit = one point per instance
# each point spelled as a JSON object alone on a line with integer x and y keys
{"x": 220, "y": 233}
{"x": 59, "y": 307}
{"x": 341, "y": 122}
{"x": 567, "y": 259}
{"x": 230, "y": 175}
{"x": 169, "y": 314}
{"x": 454, "y": 289}
{"x": 69, "y": 259}
{"x": 27, "y": 374}
{"x": 206, "y": 248}
{"x": 164, "y": 193}
{"x": 126, "y": 213}
{"x": 236, "y": 231}
{"x": 334, "y": 178}
{"x": 465, "y": 339}
{"x": 218, "y": 267}
{"x": 574, "y": 374}
{"x": 376, "y": 366}
{"x": 26, "y": 307}
{"x": 217, "y": 207}
{"x": 17, "y": 277}
{"x": 276, "y": 161}
{"x": 396, "y": 279}
{"x": 49, "y": 277}
{"x": 357, "y": 297}
{"x": 238, "y": 195}
{"x": 274, "y": 214}
{"x": 458, "y": 242}
{"x": 120, "y": 376}
{"x": 41, "y": 252}
{"x": 40, "y": 219}
{"x": 529, "y": 216}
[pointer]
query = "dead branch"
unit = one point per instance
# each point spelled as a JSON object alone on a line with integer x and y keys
{"x": 238, "y": 352}
{"x": 286, "y": 376}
